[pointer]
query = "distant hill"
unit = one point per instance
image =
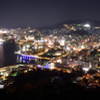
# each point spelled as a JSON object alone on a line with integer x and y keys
{"x": 60, "y": 25}
{"x": 80, "y": 32}
{"x": 83, "y": 21}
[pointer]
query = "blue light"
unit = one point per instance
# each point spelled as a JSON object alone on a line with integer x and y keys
{"x": 27, "y": 59}
{"x": 44, "y": 67}
{"x": 47, "y": 65}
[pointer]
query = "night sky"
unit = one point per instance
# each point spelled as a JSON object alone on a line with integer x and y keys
{"x": 39, "y": 13}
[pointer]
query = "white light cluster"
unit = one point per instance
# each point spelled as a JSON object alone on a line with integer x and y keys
{"x": 52, "y": 66}
{"x": 87, "y": 25}
{"x": 67, "y": 48}
{"x": 85, "y": 69}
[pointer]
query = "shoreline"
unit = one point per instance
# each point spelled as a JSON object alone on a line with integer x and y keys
{"x": 5, "y": 67}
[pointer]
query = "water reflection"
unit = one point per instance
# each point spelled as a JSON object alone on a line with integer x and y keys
{"x": 7, "y": 56}
{"x": 1, "y": 54}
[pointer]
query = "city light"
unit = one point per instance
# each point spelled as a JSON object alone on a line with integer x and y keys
{"x": 52, "y": 66}
{"x": 61, "y": 49}
{"x": 62, "y": 42}
{"x": 24, "y": 49}
{"x": 67, "y": 48}
{"x": 82, "y": 46}
{"x": 59, "y": 60}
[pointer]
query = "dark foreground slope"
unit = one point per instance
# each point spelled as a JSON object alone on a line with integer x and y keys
{"x": 47, "y": 85}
